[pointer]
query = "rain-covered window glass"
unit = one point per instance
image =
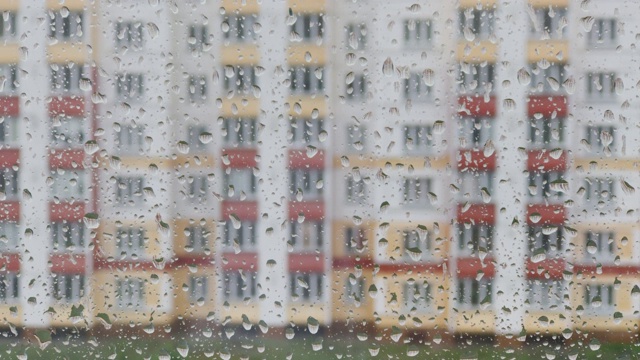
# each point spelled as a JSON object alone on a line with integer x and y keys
{"x": 547, "y": 80}
{"x": 418, "y": 32}
{"x": 355, "y": 239}
{"x": 309, "y": 27}
{"x": 417, "y": 244}
{"x": 66, "y": 25}
{"x": 198, "y": 137}
{"x": 9, "y": 288}
{"x": 477, "y": 23}
{"x": 9, "y": 236}
{"x": 603, "y": 34}
{"x": 474, "y": 132}
{"x": 546, "y": 295}
{"x": 240, "y": 27}
{"x": 356, "y": 190}
{"x": 240, "y": 132}
{"x": 307, "y": 236}
{"x": 599, "y": 298}
{"x": 239, "y": 78}
{"x": 600, "y": 139}
{"x": 239, "y": 238}
{"x": 545, "y": 241}
{"x": 130, "y": 139}
{"x": 8, "y": 25}
{"x": 130, "y": 242}
{"x": 66, "y": 78}
{"x": 474, "y": 239}
{"x": 545, "y": 186}
{"x": 67, "y": 236}
{"x": 416, "y": 190}
{"x": 417, "y": 296}
{"x": 130, "y": 34}
{"x": 306, "y": 287}
{"x": 8, "y": 79}
{"x": 304, "y": 183}
{"x": 356, "y": 87}
{"x": 473, "y": 294}
{"x": 354, "y": 290}
{"x": 198, "y": 37}
{"x": 130, "y": 294}
{"x": 356, "y": 36}
{"x": 546, "y": 133}
{"x": 307, "y": 80}
{"x": 475, "y": 186}
{"x": 601, "y": 86}
{"x": 129, "y": 86}
{"x": 418, "y": 139}
{"x": 307, "y": 131}
{"x": 416, "y": 89}
{"x": 239, "y": 286}
{"x": 599, "y": 191}
{"x": 9, "y": 182}
{"x": 240, "y": 184}
{"x": 356, "y": 137}
{"x": 549, "y": 23}
{"x": 197, "y": 85}
{"x": 198, "y": 288}
{"x": 68, "y": 288}
{"x": 128, "y": 190}
{"x": 600, "y": 246}
{"x": 66, "y": 132}
{"x": 476, "y": 78}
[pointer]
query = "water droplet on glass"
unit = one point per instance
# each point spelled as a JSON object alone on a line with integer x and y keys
{"x": 387, "y": 67}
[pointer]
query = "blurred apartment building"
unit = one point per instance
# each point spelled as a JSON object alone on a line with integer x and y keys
{"x": 452, "y": 167}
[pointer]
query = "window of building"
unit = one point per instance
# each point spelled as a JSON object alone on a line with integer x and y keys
{"x": 198, "y": 188}
{"x": 130, "y": 242}
{"x": 130, "y": 294}
{"x": 9, "y": 236}
{"x": 239, "y": 286}
{"x": 356, "y": 190}
{"x": 129, "y": 86}
{"x": 417, "y": 244}
{"x": 549, "y": 23}
{"x": 197, "y": 137}
{"x": 66, "y": 25}
{"x": 240, "y": 183}
{"x": 474, "y": 239}
{"x": 239, "y": 27}
{"x": 9, "y": 288}
{"x": 198, "y": 38}
{"x": 8, "y": 25}
{"x": 242, "y": 238}
{"x": 129, "y": 33}
{"x": 475, "y": 186}
{"x": 309, "y": 26}
{"x": 476, "y": 78}
{"x": 307, "y": 181}
{"x": 599, "y": 191}
{"x": 240, "y": 132}
{"x": 67, "y": 185}
{"x": 416, "y": 89}
{"x": 542, "y": 188}
{"x": 198, "y": 288}
{"x": 474, "y": 294}
{"x": 197, "y": 241}
{"x": 68, "y": 288}
{"x": 239, "y": 78}
{"x": 355, "y": 239}
{"x": 600, "y": 245}
{"x": 603, "y": 33}
{"x": 546, "y": 295}
{"x": 417, "y": 32}
{"x": 68, "y": 236}
{"x": 473, "y": 133}
{"x": 354, "y": 290}
{"x": 66, "y": 78}
{"x": 601, "y": 139}
{"x": 306, "y": 131}
{"x": 547, "y": 239}
{"x": 599, "y": 298}
{"x": 9, "y": 182}
{"x": 356, "y": 36}
{"x": 417, "y": 296}
{"x": 129, "y": 190}
{"x": 197, "y": 88}
{"x": 130, "y": 139}
{"x": 66, "y": 132}
{"x": 547, "y": 80}
{"x": 356, "y": 136}
{"x": 479, "y": 22}
{"x": 306, "y": 80}
{"x": 419, "y": 139}
{"x": 601, "y": 86}
{"x": 307, "y": 236}
{"x": 546, "y": 133}
{"x": 357, "y": 89}
{"x": 8, "y": 78}
{"x": 416, "y": 191}
{"x": 307, "y": 287}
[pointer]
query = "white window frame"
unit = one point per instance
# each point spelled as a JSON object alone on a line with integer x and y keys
{"x": 605, "y": 245}
{"x": 474, "y": 132}
{"x": 416, "y": 191}
{"x": 197, "y": 188}
{"x": 607, "y": 294}
{"x": 130, "y": 86}
{"x": 68, "y": 288}
{"x": 355, "y": 238}
{"x": 313, "y": 293}
{"x": 243, "y": 79}
{"x": 604, "y": 80}
{"x": 246, "y": 236}
{"x": 417, "y": 297}
{"x": 130, "y": 242}
{"x": 472, "y": 238}
{"x": 197, "y": 86}
{"x": 356, "y": 36}
{"x": 61, "y": 187}
{"x": 594, "y": 188}
{"x": 356, "y": 191}
{"x": 415, "y": 89}
{"x": 418, "y": 139}
{"x": 131, "y": 294}
{"x": 69, "y": 28}
{"x": 68, "y": 236}
{"x": 354, "y": 291}
{"x": 539, "y": 83}
{"x": 466, "y": 286}
{"x": 132, "y": 191}
{"x": 130, "y": 139}
{"x": 545, "y": 26}
{"x": 198, "y": 288}
{"x": 356, "y": 133}
{"x": 8, "y": 29}
{"x": 9, "y": 236}
{"x": 130, "y": 34}
{"x": 418, "y": 32}
{"x": 68, "y": 132}
{"x": 305, "y": 131}
{"x": 411, "y": 240}
{"x": 9, "y": 288}
{"x": 9, "y": 182}
{"x": 307, "y": 237}
{"x": 545, "y": 133}
{"x": 553, "y": 244}
{"x": 305, "y": 180}
{"x": 65, "y": 78}
{"x": 594, "y": 138}
{"x": 196, "y": 238}
{"x": 240, "y": 27}
{"x": 471, "y": 184}
{"x": 239, "y": 286}
{"x": 243, "y": 180}
{"x": 542, "y": 182}
{"x": 8, "y": 78}
{"x": 546, "y": 295}
{"x": 303, "y": 80}
{"x": 198, "y": 37}
{"x": 603, "y": 34}
{"x": 475, "y": 78}
{"x": 479, "y": 21}
{"x": 240, "y": 132}
{"x": 357, "y": 90}
{"x": 193, "y": 137}
{"x": 310, "y": 26}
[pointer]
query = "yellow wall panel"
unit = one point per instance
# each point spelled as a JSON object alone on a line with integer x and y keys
{"x": 68, "y": 52}
{"x": 306, "y": 6}
{"x": 240, "y": 6}
{"x": 475, "y": 322}
{"x": 236, "y": 310}
{"x": 477, "y": 53}
{"x": 546, "y": 3}
{"x": 69, "y": 4}
{"x": 553, "y": 50}
{"x": 205, "y": 161}
{"x": 307, "y": 104}
{"x": 9, "y": 54}
{"x": 240, "y": 107}
{"x": 297, "y": 55}
{"x": 607, "y": 164}
{"x": 555, "y": 325}
{"x": 240, "y": 55}
{"x": 437, "y": 163}
{"x": 299, "y": 313}
{"x": 339, "y": 242}
{"x": 10, "y": 5}
{"x": 620, "y": 230}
